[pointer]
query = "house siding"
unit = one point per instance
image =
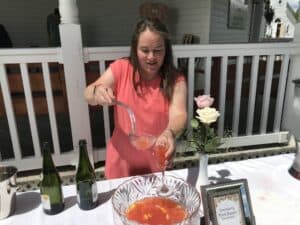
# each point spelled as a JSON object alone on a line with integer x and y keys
{"x": 25, "y": 21}
{"x": 103, "y": 23}
{"x": 219, "y": 32}
{"x": 190, "y": 17}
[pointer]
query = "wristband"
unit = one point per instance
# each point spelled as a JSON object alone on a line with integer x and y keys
{"x": 95, "y": 86}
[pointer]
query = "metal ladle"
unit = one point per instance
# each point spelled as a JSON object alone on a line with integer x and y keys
{"x": 130, "y": 113}
{"x": 141, "y": 141}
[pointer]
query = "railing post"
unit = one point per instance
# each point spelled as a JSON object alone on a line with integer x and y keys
{"x": 291, "y": 111}
{"x": 72, "y": 56}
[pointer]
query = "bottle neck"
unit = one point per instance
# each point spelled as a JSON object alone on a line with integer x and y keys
{"x": 84, "y": 161}
{"x": 48, "y": 164}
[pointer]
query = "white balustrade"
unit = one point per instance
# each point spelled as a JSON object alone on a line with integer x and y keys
{"x": 73, "y": 62}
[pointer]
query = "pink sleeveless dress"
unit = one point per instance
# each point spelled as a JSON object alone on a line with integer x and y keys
{"x": 151, "y": 113}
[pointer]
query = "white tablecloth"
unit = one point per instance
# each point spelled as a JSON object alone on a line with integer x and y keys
{"x": 275, "y": 195}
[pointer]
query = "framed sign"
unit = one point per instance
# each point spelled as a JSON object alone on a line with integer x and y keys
{"x": 237, "y": 14}
{"x": 227, "y": 203}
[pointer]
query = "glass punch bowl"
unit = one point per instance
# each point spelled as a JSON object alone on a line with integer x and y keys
{"x": 140, "y": 187}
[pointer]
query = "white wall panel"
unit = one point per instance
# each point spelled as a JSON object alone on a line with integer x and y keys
{"x": 103, "y": 23}
{"x": 25, "y": 21}
{"x": 219, "y": 32}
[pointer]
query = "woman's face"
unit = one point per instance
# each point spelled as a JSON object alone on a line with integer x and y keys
{"x": 151, "y": 53}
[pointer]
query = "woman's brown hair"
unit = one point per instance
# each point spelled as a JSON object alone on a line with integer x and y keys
{"x": 168, "y": 71}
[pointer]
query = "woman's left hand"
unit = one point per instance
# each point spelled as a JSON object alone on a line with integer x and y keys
{"x": 167, "y": 137}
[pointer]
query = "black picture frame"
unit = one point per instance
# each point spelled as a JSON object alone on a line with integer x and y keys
{"x": 237, "y": 14}
{"x": 227, "y": 202}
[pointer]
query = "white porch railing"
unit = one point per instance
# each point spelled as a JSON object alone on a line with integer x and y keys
{"x": 250, "y": 54}
{"x": 23, "y": 57}
{"x": 238, "y": 55}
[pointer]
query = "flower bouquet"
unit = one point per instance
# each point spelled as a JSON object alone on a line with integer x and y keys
{"x": 201, "y": 137}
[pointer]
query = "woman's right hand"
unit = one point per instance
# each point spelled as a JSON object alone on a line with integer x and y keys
{"x": 99, "y": 94}
{"x": 103, "y": 95}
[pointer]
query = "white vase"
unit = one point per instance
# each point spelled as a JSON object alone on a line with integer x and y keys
{"x": 202, "y": 178}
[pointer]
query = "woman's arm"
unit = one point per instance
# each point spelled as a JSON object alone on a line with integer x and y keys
{"x": 101, "y": 92}
{"x": 178, "y": 109}
{"x": 177, "y": 117}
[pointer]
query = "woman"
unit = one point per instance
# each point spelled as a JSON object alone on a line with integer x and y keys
{"x": 156, "y": 92}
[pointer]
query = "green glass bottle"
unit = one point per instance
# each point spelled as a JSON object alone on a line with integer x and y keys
{"x": 87, "y": 195}
{"x": 50, "y": 186}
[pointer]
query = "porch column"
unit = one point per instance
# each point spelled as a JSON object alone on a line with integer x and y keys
{"x": 68, "y": 11}
{"x": 72, "y": 57}
{"x": 291, "y": 111}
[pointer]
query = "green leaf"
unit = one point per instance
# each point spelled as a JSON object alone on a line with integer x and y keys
{"x": 211, "y": 132}
{"x": 209, "y": 148}
{"x": 194, "y": 123}
{"x": 216, "y": 141}
{"x": 194, "y": 145}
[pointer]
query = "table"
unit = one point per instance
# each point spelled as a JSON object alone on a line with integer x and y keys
{"x": 275, "y": 195}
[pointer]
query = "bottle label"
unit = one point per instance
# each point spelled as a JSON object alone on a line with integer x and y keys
{"x": 95, "y": 192}
{"x": 46, "y": 202}
{"x": 86, "y": 191}
{"x": 78, "y": 197}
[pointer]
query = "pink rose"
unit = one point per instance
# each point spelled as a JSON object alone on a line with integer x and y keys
{"x": 203, "y": 101}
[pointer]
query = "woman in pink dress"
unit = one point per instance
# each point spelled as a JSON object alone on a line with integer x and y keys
{"x": 156, "y": 92}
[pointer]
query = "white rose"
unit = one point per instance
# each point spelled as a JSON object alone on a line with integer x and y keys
{"x": 207, "y": 115}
